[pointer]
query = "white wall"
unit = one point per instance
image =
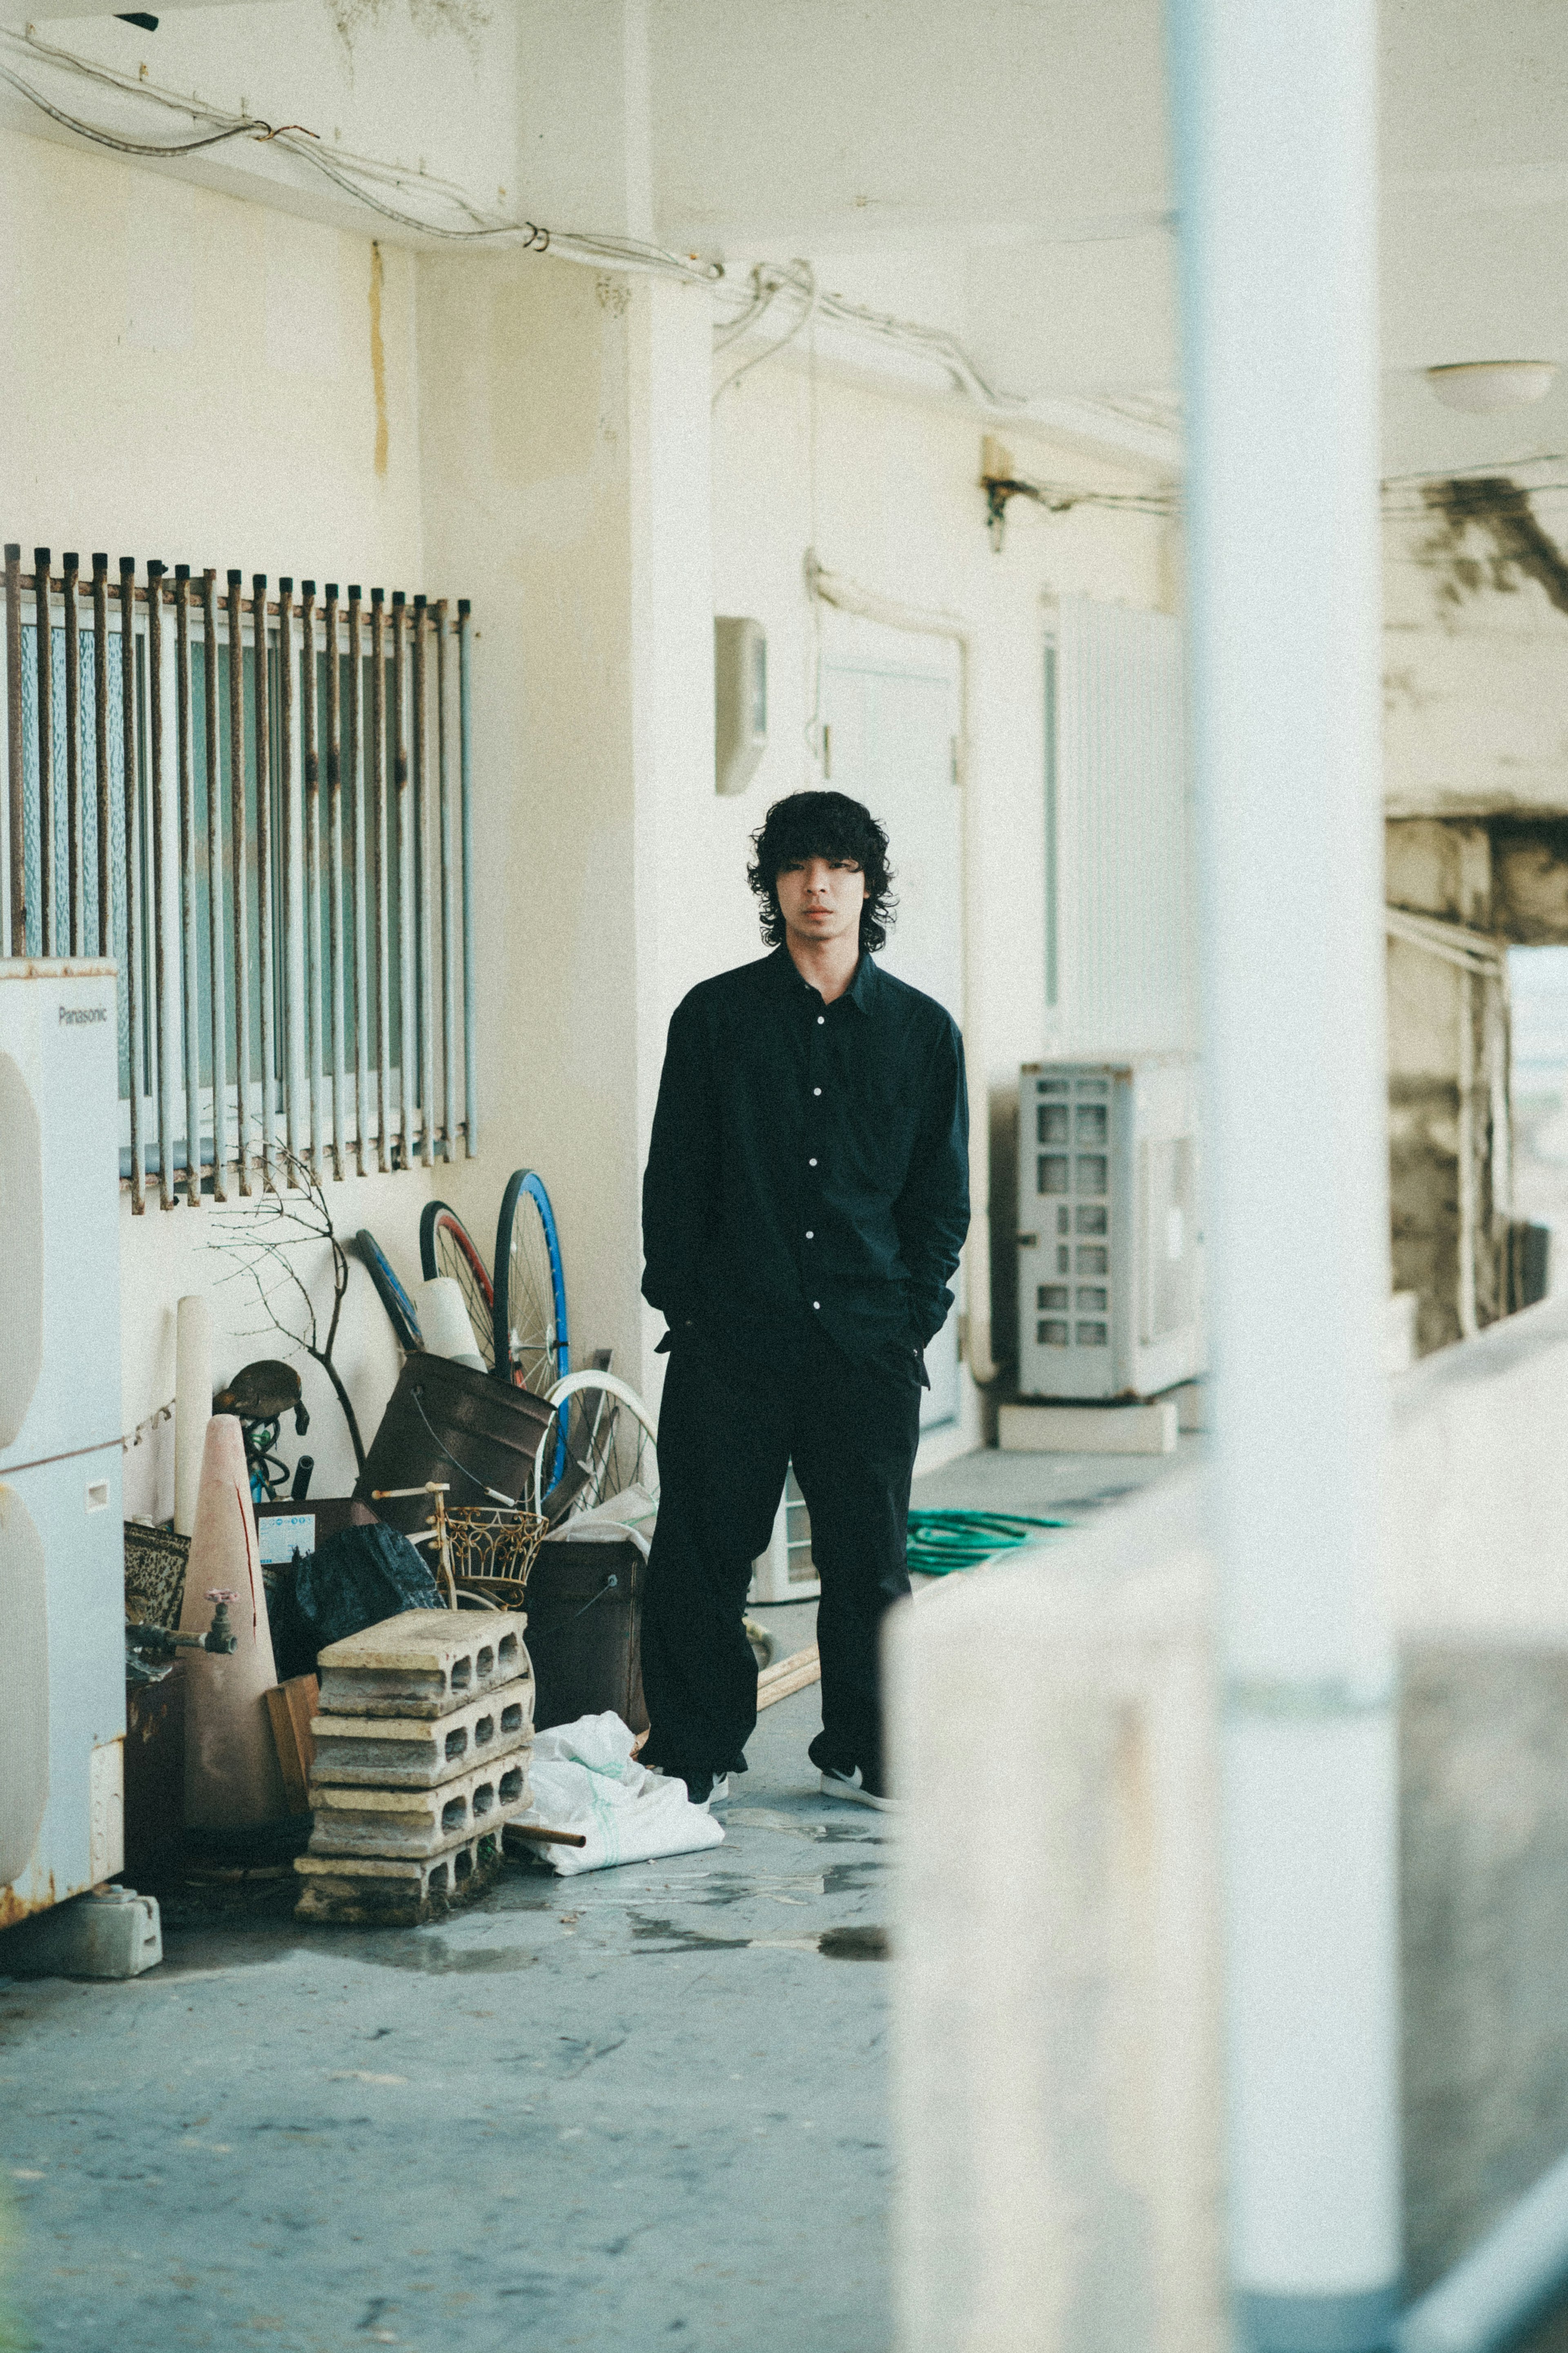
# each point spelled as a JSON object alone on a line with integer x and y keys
{"x": 887, "y": 489}
{"x": 190, "y": 377}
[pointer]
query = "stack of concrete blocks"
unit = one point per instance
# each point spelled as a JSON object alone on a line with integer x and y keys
{"x": 422, "y": 1750}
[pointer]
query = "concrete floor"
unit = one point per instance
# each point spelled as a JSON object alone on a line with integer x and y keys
{"x": 642, "y": 2106}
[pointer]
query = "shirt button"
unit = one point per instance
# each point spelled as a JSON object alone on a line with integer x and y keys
{"x": 809, "y": 1235}
{"x": 817, "y": 1090}
{"x": 816, "y": 1303}
{"x": 820, "y": 1019}
{"x": 811, "y": 1164}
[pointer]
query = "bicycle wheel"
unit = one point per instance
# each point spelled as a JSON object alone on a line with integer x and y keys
{"x": 446, "y": 1246}
{"x": 609, "y": 1441}
{"x": 530, "y": 1319}
{"x": 389, "y": 1291}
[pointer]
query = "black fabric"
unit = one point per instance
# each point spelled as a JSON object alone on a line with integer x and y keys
{"x": 809, "y": 1162}
{"x": 358, "y": 1577}
{"x": 729, "y": 1425}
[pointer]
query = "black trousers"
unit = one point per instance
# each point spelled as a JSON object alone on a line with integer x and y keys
{"x": 728, "y": 1427}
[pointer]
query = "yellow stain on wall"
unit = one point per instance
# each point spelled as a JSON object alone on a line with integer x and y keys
{"x": 377, "y": 358}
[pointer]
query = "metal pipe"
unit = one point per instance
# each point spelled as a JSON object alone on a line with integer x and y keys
{"x": 165, "y": 1076}
{"x": 239, "y": 836}
{"x": 407, "y": 1041}
{"x": 216, "y": 990}
{"x": 132, "y": 791}
{"x": 422, "y": 866}
{"x": 465, "y": 783}
{"x": 1497, "y": 2291}
{"x": 293, "y": 944}
{"x": 264, "y": 913}
{"x": 1274, "y": 122}
{"x": 1469, "y": 1188}
{"x": 101, "y": 779}
{"x": 44, "y": 724}
{"x": 75, "y": 883}
{"x": 378, "y": 825}
{"x": 448, "y": 943}
{"x": 190, "y": 970}
{"x": 335, "y": 870}
{"x": 16, "y": 779}
{"x": 354, "y": 756}
{"x": 311, "y": 771}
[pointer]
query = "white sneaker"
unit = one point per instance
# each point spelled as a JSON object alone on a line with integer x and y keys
{"x": 719, "y": 1795}
{"x": 840, "y": 1785}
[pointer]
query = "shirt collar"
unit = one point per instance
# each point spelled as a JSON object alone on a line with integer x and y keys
{"x": 861, "y": 991}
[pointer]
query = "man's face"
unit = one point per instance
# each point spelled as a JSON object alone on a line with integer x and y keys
{"x": 821, "y": 898}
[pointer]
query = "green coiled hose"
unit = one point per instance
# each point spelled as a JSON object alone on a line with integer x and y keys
{"x": 941, "y": 1542}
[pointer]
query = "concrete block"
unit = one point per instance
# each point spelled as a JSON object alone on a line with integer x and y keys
{"x": 395, "y": 1892}
{"x": 1055, "y": 2075}
{"x": 111, "y": 1932}
{"x": 410, "y": 1752}
{"x": 425, "y": 1662}
{"x": 1192, "y": 1404}
{"x": 1087, "y": 1429}
{"x": 418, "y": 1822}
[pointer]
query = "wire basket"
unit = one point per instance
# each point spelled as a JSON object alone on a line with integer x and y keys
{"x": 491, "y": 1551}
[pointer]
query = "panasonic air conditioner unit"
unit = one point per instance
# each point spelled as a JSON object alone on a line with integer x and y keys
{"x": 1110, "y": 1252}
{"x": 62, "y": 1598}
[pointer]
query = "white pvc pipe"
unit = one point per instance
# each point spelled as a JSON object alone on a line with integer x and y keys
{"x": 192, "y": 1405}
{"x": 1276, "y": 134}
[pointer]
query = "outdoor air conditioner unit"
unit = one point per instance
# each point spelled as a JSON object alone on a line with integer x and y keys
{"x": 62, "y": 1598}
{"x": 1109, "y": 1253}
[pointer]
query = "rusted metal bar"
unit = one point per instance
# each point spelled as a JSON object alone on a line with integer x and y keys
{"x": 378, "y": 818}
{"x": 102, "y": 780}
{"x": 160, "y": 889}
{"x": 44, "y": 649}
{"x": 76, "y": 885}
{"x": 335, "y": 868}
{"x": 215, "y": 885}
{"x": 190, "y": 967}
{"x": 448, "y": 943}
{"x": 293, "y": 943}
{"x": 240, "y": 835}
{"x": 131, "y": 975}
{"x": 264, "y": 875}
{"x": 408, "y": 1042}
{"x": 353, "y": 756}
{"x": 422, "y": 861}
{"x": 310, "y": 769}
{"x": 465, "y": 752}
{"x": 16, "y": 780}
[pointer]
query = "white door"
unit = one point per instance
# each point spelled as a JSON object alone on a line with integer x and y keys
{"x": 890, "y": 743}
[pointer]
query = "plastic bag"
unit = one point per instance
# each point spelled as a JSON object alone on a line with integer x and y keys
{"x": 583, "y": 1776}
{"x": 358, "y": 1577}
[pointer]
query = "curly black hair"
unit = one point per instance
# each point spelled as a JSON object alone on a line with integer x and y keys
{"x": 822, "y": 825}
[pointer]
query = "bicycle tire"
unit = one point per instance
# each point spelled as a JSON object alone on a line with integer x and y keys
{"x": 530, "y": 1341}
{"x": 446, "y": 1246}
{"x": 389, "y": 1291}
{"x": 598, "y": 1463}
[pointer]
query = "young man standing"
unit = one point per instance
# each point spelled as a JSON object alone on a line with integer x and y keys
{"x": 805, "y": 1201}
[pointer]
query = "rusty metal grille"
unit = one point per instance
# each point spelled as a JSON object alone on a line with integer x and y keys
{"x": 258, "y": 805}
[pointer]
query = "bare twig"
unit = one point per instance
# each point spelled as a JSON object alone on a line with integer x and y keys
{"x": 262, "y": 1237}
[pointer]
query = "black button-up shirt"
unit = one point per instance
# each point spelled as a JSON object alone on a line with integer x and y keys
{"x": 809, "y": 1162}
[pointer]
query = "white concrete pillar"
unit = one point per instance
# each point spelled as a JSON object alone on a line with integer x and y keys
{"x": 1275, "y": 129}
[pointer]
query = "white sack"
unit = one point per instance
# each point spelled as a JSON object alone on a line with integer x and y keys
{"x": 584, "y": 1777}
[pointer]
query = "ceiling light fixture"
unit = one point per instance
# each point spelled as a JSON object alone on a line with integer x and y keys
{"x": 1484, "y": 386}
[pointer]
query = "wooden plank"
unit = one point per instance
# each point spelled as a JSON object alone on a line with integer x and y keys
{"x": 291, "y": 1706}
{"x": 791, "y": 1674}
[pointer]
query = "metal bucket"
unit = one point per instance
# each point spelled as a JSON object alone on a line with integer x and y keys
{"x": 445, "y": 1421}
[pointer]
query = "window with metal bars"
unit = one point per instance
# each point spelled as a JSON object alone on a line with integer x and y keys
{"x": 256, "y": 805}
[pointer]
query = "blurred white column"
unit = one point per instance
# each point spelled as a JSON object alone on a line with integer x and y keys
{"x": 1275, "y": 116}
